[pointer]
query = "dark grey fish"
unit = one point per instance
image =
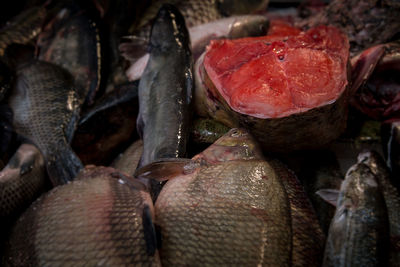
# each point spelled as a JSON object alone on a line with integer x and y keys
{"x": 392, "y": 200}
{"x": 72, "y": 41}
{"x": 358, "y": 233}
{"x": 22, "y": 28}
{"x": 21, "y": 181}
{"x": 46, "y": 110}
{"x": 165, "y": 90}
{"x": 101, "y": 218}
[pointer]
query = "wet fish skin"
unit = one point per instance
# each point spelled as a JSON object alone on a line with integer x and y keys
{"x": 22, "y": 180}
{"x": 102, "y": 218}
{"x": 46, "y": 110}
{"x": 390, "y": 133}
{"x": 22, "y": 28}
{"x": 165, "y": 90}
{"x": 72, "y": 41}
{"x": 207, "y": 130}
{"x": 391, "y": 197}
{"x": 358, "y": 232}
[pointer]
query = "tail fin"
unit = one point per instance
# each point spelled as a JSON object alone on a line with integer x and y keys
{"x": 63, "y": 165}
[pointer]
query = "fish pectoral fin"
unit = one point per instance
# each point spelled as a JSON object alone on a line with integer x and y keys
{"x": 329, "y": 195}
{"x": 166, "y": 168}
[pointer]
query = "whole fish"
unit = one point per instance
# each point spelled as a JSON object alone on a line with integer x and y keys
{"x": 229, "y": 206}
{"x": 22, "y": 28}
{"x": 165, "y": 90}
{"x": 392, "y": 200}
{"x": 200, "y": 36}
{"x": 46, "y": 110}
{"x": 102, "y": 218}
{"x": 358, "y": 232}
{"x": 22, "y": 180}
{"x": 72, "y": 41}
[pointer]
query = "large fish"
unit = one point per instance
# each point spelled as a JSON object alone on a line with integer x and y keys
{"x": 358, "y": 233}
{"x": 46, "y": 110}
{"x": 102, "y": 218}
{"x": 21, "y": 181}
{"x": 229, "y": 206}
{"x": 165, "y": 90}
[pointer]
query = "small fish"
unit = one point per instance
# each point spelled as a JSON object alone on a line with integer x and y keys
{"x": 102, "y": 218}
{"x": 358, "y": 233}
{"x": 229, "y": 206}
{"x": 22, "y": 180}
{"x": 72, "y": 41}
{"x": 165, "y": 90}
{"x": 46, "y": 111}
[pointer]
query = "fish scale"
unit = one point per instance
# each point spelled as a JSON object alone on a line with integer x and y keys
{"x": 96, "y": 220}
{"x": 46, "y": 109}
{"x": 235, "y": 219}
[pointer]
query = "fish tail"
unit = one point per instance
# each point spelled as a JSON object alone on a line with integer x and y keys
{"x": 63, "y": 166}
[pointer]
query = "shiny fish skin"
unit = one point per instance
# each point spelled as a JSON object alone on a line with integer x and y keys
{"x": 165, "y": 90}
{"x": 46, "y": 110}
{"x": 392, "y": 200}
{"x": 21, "y": 181}
{"x": 95, "y": 220}
{"x": 358, "y": 231}
{"x": 22, "y": 28}
{"x": 72, "y": 41}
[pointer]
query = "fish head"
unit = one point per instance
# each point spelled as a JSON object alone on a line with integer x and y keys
{"x": 236, "y": 144}
{"x": 169, "y": 29}
{"x": 359, "y": 189}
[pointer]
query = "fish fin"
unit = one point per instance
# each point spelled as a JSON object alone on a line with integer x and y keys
{"x": 166, "y": 168}
{"x": 329, "y": 195}
{"x": 149, "y": 230}
{"x": 63, "y": 165}
{"x": 135, "y": 49}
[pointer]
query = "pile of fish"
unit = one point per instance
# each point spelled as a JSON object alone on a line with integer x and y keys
{"x": 188, "y": 132}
